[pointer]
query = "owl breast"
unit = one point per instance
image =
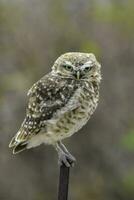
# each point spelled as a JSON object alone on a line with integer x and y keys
{"x": 64, "y": 125}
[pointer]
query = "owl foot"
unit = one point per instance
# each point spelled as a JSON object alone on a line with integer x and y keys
{"x": 66, "y": 159}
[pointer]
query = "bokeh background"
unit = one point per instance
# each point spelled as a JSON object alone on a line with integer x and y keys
{"x": 32, "y": 35}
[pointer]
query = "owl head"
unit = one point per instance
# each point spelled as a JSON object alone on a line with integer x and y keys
{"x": 78, "y": 66}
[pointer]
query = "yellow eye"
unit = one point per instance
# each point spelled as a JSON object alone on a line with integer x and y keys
{"x": 88, "y": 68}
{"x": 68, "y": 67}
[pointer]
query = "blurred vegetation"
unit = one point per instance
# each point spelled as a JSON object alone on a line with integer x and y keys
{"x": 120, "y": 14}
{"x": 32, "y": 35}
{"x": 128, "y": 141}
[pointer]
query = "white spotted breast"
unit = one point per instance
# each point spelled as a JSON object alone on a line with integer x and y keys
{"x": 64, "y": 125}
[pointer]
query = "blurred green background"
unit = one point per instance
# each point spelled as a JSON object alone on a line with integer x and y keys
{"x": 32, "y": 35}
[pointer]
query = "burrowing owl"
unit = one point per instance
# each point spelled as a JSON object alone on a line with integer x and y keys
{"x": 60, "y": 103}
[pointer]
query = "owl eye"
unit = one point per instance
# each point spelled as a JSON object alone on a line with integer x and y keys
{"x": 68, "y": 67}
{"x": 88, "y": 68}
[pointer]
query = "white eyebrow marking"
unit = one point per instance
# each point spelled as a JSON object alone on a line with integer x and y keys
{"x": 88, "y": 62}
{"x": 69, "y": 63}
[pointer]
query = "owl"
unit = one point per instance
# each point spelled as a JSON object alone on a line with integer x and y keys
{"x": 60, "y": 104}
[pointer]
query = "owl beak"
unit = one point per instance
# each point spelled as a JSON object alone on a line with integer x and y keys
{"x": 78, "y": 75}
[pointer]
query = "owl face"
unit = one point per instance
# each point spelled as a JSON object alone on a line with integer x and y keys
{"x": 77, "y": 66}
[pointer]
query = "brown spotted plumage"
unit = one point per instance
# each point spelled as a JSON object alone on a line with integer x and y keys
{"x": 60, "y": 104}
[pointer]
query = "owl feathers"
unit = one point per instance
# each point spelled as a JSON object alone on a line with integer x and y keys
{"x": 61, "y": 102}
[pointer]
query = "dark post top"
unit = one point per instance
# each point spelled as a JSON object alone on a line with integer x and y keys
{"x": 63, "y": 183}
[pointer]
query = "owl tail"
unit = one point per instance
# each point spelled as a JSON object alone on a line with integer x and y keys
{"x": 13, "y": 142}
{"x": 17, "y": 146}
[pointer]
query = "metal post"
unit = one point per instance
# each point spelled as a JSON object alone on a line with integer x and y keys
{"x": 63, "y": 183}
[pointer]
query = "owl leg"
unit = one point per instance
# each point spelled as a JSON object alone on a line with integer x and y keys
{"x": 63, "y": 147}
{"x": 64, "y": 157}
{"x": 66, "y": 151}
{"x": 71, "y": 158}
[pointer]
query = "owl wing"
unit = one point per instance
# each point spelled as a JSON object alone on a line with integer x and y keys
{"x": 46, "y": 97}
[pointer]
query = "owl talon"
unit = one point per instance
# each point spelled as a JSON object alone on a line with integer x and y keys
{"x": 66, "y": 159}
